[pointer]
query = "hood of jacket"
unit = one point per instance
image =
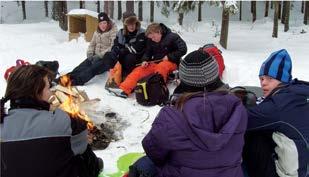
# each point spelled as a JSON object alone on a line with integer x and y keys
{"x": 211, "y": 119}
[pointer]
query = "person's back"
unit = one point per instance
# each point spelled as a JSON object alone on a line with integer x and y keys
{"x": 205, "y": 139}
{"x": 41, "y": 137}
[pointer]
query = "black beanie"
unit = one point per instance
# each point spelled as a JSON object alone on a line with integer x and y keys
{"x": 103, "y": 17}
{"x": 199, "y": 69}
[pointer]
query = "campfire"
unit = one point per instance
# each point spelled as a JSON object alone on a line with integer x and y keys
{"x": 78, "y": 105}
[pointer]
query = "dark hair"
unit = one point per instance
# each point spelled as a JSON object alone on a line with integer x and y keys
{"x": 25, "y": 82}
{"x": 184, "y": 98}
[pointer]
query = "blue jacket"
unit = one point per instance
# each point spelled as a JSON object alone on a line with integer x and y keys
{"x": 286, "y": 111}
{"x": 208, "y": 141}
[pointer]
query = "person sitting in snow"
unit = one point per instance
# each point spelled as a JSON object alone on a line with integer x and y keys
{"x": 163, "y": 53}
{"x": 202, "y": 134}
{"x": 99, "y": 57}
{"x": 129, "y": 44}
{"x": 277, "y": 138}
{"x": 36, "y": 141}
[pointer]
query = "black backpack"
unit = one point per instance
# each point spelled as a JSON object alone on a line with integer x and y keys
{"x": 151, "y": 90}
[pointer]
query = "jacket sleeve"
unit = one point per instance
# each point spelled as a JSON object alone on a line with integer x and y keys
{"x": 79, "y": 139}
{"x": 181, "y": 49}
{"x": 111, "y": 39}
{"x": 91, "y": 47}
{"x": 155, "y": 142}
{"x": 265, "y": 116}
{"x": 139, "y": 44}
{"x": 148, "y": 52}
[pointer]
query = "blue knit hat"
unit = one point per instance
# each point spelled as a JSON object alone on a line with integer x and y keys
{"x": 278, "y": 66}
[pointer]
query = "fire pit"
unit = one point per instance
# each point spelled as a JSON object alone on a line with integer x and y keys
{"x": 103, "y": 126}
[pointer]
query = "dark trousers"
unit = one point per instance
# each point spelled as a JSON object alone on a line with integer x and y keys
{"x": 87, "y": 164}
{"x": 128, "y": 62}
{"x": 259, "y": 155}
{"x": 91, "y": 67}
{"x": 143, "y": 167}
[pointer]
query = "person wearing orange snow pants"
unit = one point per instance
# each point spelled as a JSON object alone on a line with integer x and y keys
{"x": 164, "y": 47}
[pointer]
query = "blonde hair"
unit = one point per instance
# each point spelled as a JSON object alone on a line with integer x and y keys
{"x": 153, "y": 28}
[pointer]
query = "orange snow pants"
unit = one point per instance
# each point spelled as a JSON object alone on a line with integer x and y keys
{"x": 164, "y": 68}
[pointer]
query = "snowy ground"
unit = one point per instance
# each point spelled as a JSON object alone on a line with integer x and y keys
{"x": 248, "y": 45}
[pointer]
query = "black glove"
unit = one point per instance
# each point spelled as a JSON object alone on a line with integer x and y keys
{"x": 247, "y": 97}
{"x": 130, "y": 48}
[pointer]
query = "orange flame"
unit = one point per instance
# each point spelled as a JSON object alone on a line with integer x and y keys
{"x": 72, "y": 107}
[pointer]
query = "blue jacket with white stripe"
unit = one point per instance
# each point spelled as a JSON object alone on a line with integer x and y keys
{"x": 286, "y": 110}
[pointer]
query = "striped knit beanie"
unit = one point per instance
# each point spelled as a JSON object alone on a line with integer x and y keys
{"x": 198, "y": 69}
{"x": 278, "y": 66}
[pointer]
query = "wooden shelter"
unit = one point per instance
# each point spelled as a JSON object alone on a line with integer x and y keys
{"x": 82, "y": 22}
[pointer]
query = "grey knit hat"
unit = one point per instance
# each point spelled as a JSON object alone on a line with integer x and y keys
{"x": 198, "y": 69}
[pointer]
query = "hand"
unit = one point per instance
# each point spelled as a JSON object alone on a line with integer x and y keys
{"x": 165, "y": 58}
{"x": 145, "y": 64}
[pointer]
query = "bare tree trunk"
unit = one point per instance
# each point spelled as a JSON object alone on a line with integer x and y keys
{"x": 23, "y": 5}
{"x": 82, "y": 4}
{"x": 266, "y": 8}
{"x": 98, "y": 6}
{"x": 140, "y": 10}
{"x": 276, "y": 14}
{"x": 111, "y": 9}
{"x": 240, "y": 10}
{"x": 151, "y": 11}
{"x": 199, "y": 16}
{"x": 130, "y": 6}
{"x": 119, "y": 10}
{"x": 63, "y": 21}
{"x": 54, "y": 11}
{"x": 306, "y": 14}
{"x": 253, "y": 8}
{"x": 46, "y": 8}
{"x": 272, "y": 4}
{"x": 180, "y": 18}
{"x": 279, "y": 9}
{"x": 283, "y": 15}
{"x": 302, "y": 6}
{"x": 224, "y": 28}
{"x": 287, "y": 16}
{"x": 106, "y": 3}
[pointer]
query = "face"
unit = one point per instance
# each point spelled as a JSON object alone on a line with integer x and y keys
{"x": 131, "y": 27}
{"x": 46, "y": 93}
{"x": 103, "y": 25}
{"x": 268, "y": 84}
{"x": 155, "y": 37}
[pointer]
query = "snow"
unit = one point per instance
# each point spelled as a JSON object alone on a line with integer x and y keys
{"x": 249, "y": 44}
{"x": 83, "y": 12}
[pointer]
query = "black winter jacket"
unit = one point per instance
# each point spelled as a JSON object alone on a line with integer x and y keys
{"x": 171, "y": 44}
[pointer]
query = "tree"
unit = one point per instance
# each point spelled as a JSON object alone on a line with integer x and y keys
{"x": 140, "y": 10}
{"x": 240, "y": 10}
{"x": 283, "y": 14}
{"x": 106, "y": 9}
{"x": 82, "y": 4}
{"x": 228, "y": 7}
{"x": 276, "y": 14}
{"x": 46, "y": 8}
{"x": 287, "y": 16}
{"x": 266, "y": 8}
{"x": 119, "y": 10}
{"x": 59, "y": 13}
{"x": 306, "y": 14}
{"x": 151, "y": 11}
{"x": 279, "y": 9}
{"x": 98, "y": 6}
{"x": 253, "y": 10}
{"x": 272, "y": 4}
{"x": 111, "y": 9}
{"x": 302, "y": 6}
{"x": 130, "y": 6}
{"x": 199, "y": 16}
{"x": 23, "y": 5}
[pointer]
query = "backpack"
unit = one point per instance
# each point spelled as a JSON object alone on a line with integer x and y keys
{"x": 151, "y": 90}
{"x": 213, "y": 50}
{"x": 248, "y": 95}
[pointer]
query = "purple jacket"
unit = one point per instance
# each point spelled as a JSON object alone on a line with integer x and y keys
{"x": 207, "y": 142}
